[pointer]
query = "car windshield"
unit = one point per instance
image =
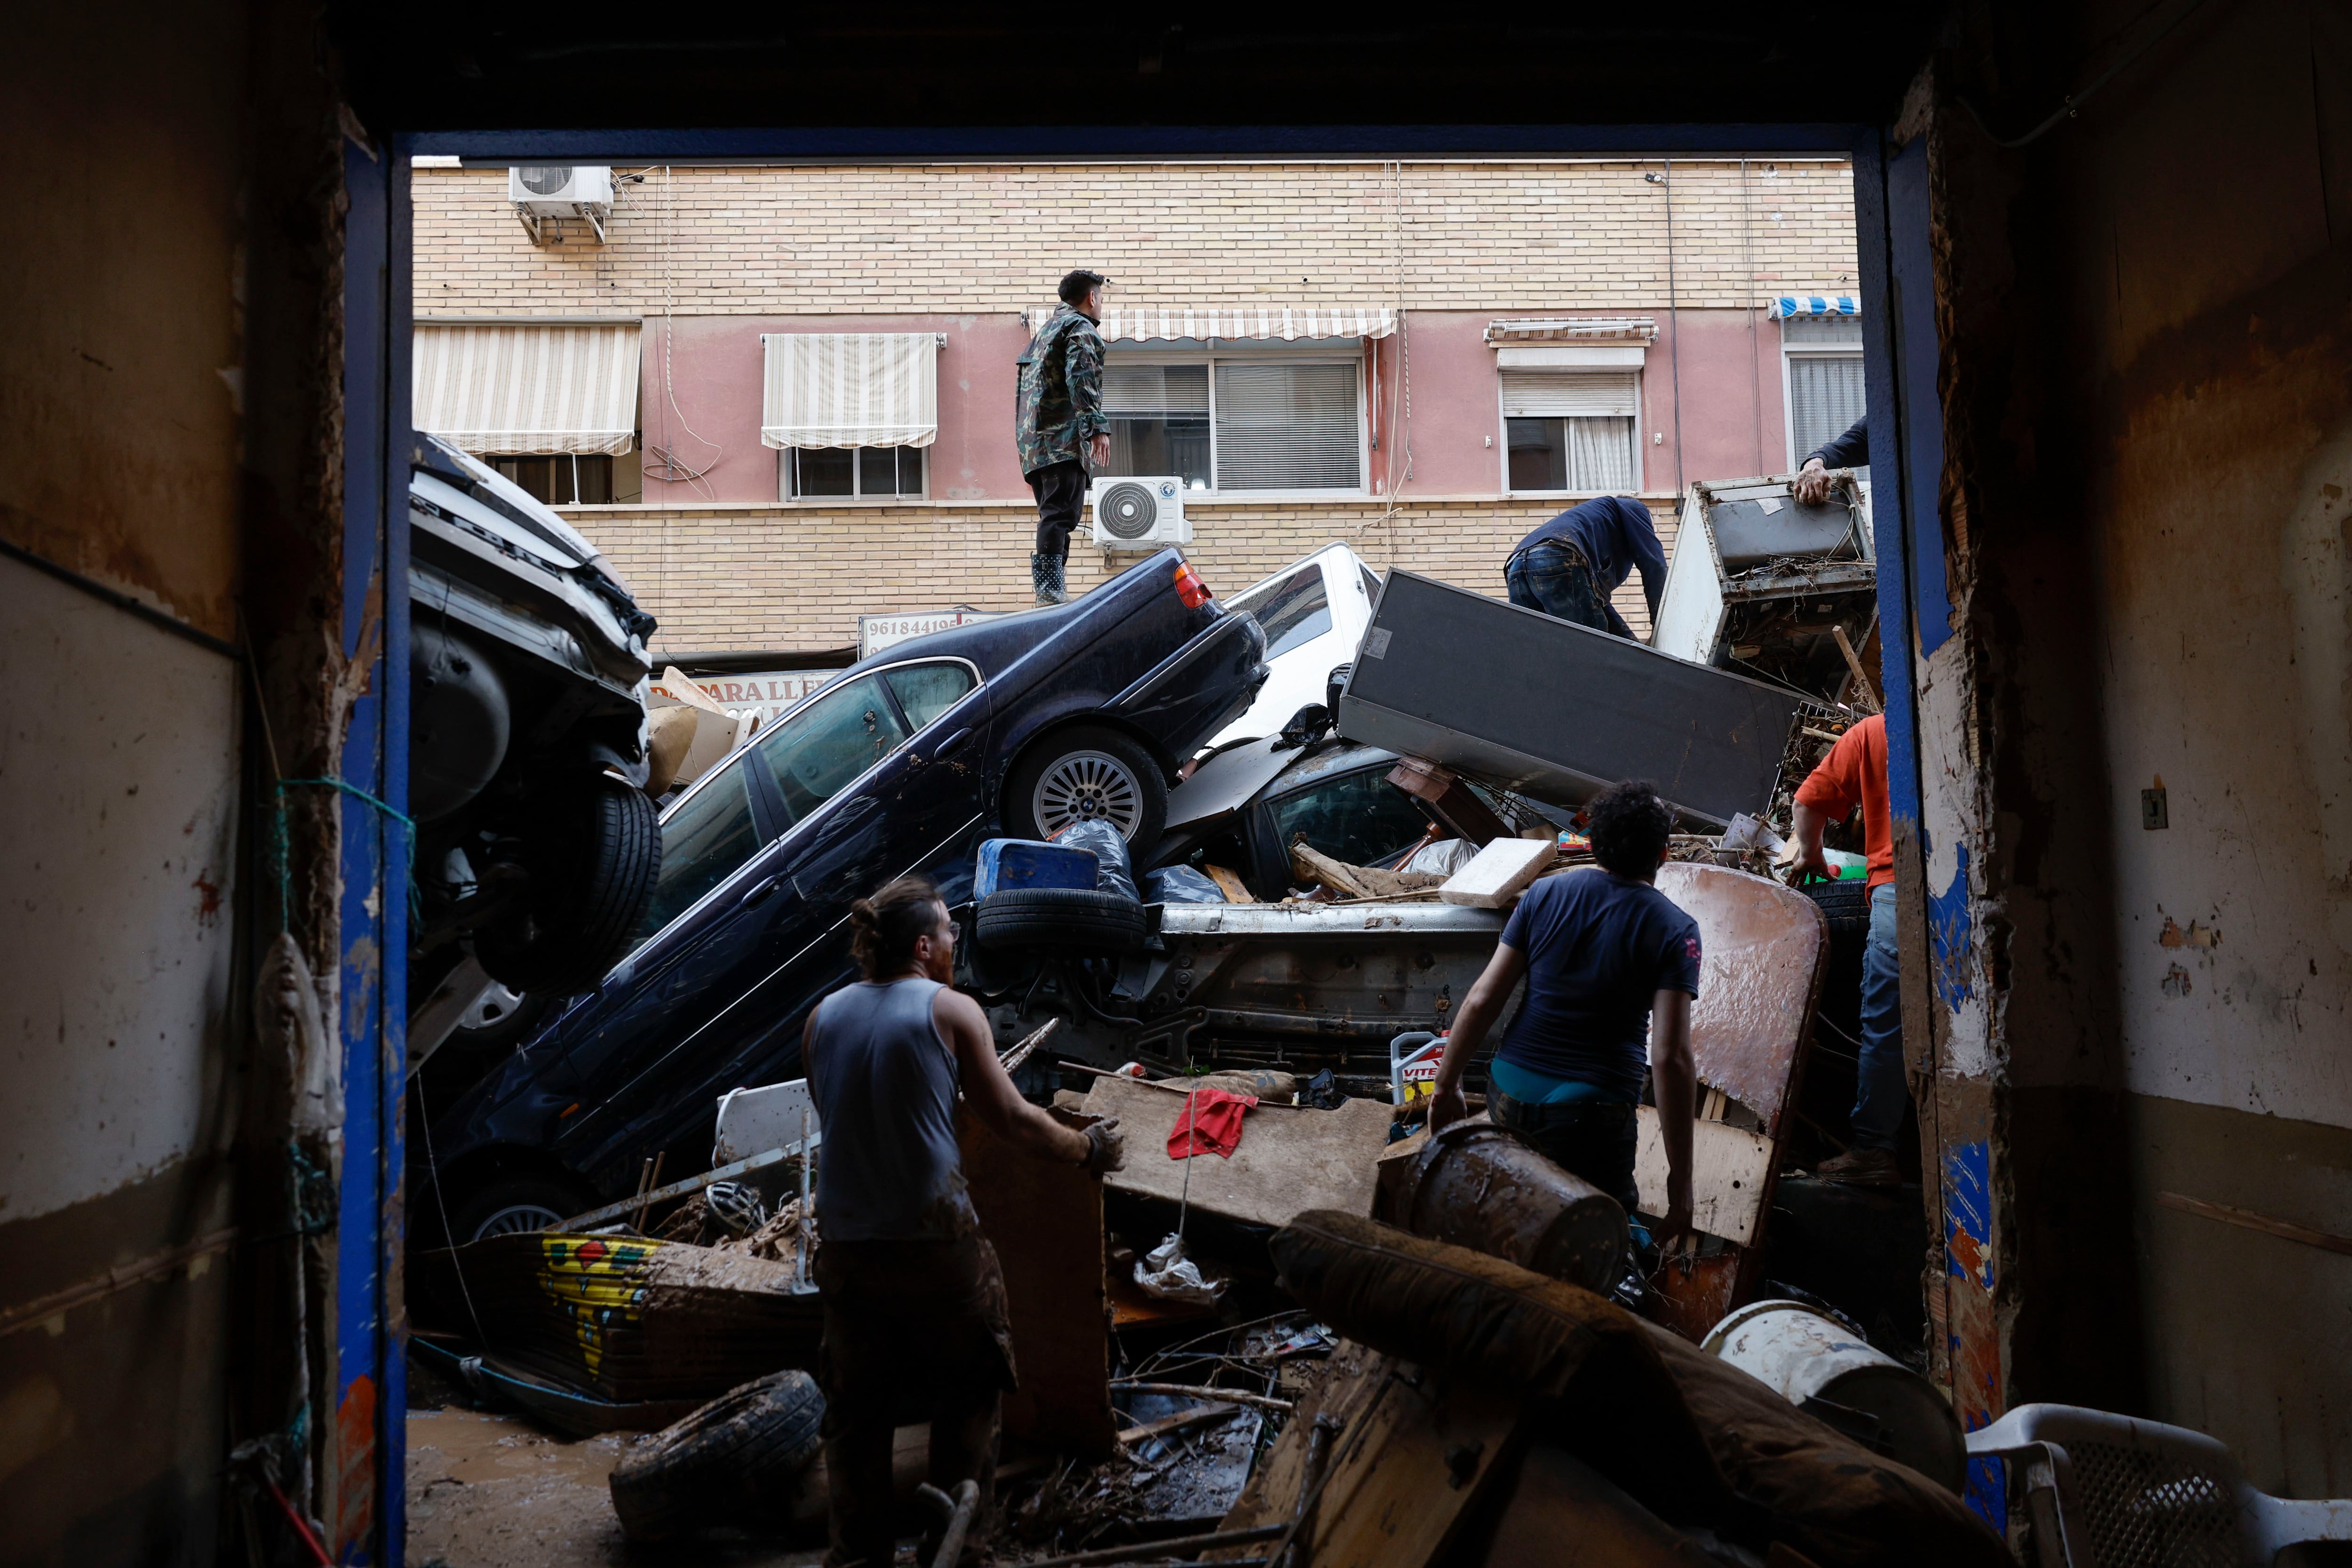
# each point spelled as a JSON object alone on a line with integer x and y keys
{"x": 1293, "y": 611}
{"x": 927, "y": 690}
{"x": 821, "y": 749}
{"x": 1355, "y": 818}
{"x": 704, "y": 839}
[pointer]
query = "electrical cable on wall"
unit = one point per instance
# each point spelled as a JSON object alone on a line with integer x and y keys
{"x": 1400, "y": 408}
{"x": 667, "y": 467}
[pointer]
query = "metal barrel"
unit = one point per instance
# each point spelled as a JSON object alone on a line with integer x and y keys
{"x": 1478, "y": 1186}
{"x": 1822, "y": 1366}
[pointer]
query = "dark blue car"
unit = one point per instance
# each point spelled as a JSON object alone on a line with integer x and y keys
{"x": 899, "y": 766}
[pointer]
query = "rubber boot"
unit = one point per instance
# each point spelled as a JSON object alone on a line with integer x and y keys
{"x": 1045, "y": 576}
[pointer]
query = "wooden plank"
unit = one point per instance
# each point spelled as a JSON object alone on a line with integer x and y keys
{"x": 1045, "y": 1221}
{"x": 1312, "y": 865}
{"x": 1730, "y": 1171}
{"x": 1291, "y": 1157}
{"x": 1235, "y": 891}
{"x": 2286, "y": 1230}
{"x": 1412, "y": 1456}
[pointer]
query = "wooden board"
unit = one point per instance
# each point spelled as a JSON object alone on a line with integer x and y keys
{"x": 1499, "y": 874}
{"x": 1045, "y": 1221}
{"x": 1412, "y": 1455}
{"x": 1731, "y": 1169}
{"x": 1291, "y": 1158}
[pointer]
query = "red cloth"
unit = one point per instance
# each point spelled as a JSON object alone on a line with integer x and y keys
{"x": 1210, "y": 1124}
{"x": 1855, "y": 770}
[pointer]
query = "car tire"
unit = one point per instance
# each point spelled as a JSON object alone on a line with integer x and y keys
{"x": 1087, "y": 769}
{"x": 518, "y": 1203}
{"x": 1083, "y": 918}
{"x": 731, "y": 1461}
{"x": 1846, "y": 903}
{"x": 593, "y": 868}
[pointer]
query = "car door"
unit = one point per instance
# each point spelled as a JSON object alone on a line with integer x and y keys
{"x": 1355, "y": 817}
{"x": 840, "y": 774}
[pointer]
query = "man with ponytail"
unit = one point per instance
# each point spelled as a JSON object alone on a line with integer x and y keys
{"x": 915, "y": 1316}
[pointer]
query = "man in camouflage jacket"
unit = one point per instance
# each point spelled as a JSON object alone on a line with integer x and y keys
{"x": 1059, "y": 427}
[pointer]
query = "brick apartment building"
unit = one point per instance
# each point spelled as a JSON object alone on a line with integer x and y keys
{"x": 1423, "y": 360}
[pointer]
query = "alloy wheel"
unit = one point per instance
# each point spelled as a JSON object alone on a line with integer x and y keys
{"x": 1087, "y": 786}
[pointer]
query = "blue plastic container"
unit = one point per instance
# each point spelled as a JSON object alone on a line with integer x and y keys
{"x": 1030, "y": 863}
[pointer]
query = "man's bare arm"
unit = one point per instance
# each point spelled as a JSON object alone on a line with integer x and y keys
{"x": 1674, "y": 1075}
{"x": 988, "y": 1088}
{"x": 1479, "y": 1011}
{"x": 1806, "y": 823}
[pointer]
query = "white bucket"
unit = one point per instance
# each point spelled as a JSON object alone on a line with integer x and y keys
{"x": 1805, "y": 1357}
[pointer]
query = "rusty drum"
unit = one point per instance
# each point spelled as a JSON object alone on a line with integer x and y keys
{"x": 1478, "y": 1186}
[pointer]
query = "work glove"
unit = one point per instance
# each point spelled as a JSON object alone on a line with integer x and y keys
{"x": 1106, "y": 1147}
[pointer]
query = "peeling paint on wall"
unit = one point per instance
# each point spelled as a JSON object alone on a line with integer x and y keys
{"x": 1968, "y": 1213}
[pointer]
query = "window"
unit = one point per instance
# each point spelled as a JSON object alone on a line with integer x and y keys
{"x": 1237, "y": 424}
{"x": 1293, "y": 611}
{"x": 705, "y": 838}
{"x": 1821, "y": 358}
{"x": 1159, "y": 420}
{"x": 1571, "y": 431}
{"x": 927, "y": 690}
{"x": 813, "y": 472}
{"x": 1287, "y": 428}
{"x": 1355, "y": 818}
{"x": 820, "y": 750}
{"x": 568, "y": 479}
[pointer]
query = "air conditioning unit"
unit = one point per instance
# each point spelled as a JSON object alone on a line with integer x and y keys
{"x": 1140, "y": 513}
{"x": 543, "y": 191}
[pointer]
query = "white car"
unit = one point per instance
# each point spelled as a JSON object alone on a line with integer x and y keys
{"x": 1313, "y": 612}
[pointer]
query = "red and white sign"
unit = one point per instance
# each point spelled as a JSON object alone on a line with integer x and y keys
{"x": 876, "y": 632}
{"x": 759, "y": 697}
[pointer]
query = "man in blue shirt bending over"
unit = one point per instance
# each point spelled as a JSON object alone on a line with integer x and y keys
{"x": 1611, "y": 966}
{"x": 1571, "y": 565}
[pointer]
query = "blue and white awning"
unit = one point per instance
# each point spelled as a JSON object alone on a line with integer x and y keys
{"x": 1787, "y": 305}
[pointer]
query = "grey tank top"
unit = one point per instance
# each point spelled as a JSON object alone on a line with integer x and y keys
{"x": 885, "y": 1084}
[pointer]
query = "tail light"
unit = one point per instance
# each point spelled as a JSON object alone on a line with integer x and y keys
{"x": 1189, "y": 588}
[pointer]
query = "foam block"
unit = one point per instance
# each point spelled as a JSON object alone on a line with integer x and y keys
{"x": 1499, "y": 873}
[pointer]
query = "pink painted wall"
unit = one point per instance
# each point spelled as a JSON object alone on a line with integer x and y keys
{"x": 715, "y": 368}
{"x": 1732, "y": 415}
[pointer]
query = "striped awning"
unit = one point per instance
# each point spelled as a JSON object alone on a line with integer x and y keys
{"x": 850, "y": 389}
{"x": 527, "y": 388}
{"x": 1234, "y": 323}
{"x": 1787, "y": 305}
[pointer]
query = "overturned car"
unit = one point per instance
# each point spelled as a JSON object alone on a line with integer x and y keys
{"x": 537, "y": 849}
{"x": 1025, "y": 725}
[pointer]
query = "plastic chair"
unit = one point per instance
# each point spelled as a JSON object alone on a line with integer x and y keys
{"x": 2102, "y": 1490}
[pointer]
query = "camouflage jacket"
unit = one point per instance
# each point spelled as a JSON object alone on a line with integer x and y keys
{"x": 1059, "y": 408}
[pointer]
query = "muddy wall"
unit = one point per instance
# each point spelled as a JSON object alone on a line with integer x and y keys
{"x": 2137, "y": 742}
{"x": 147, "y": 379}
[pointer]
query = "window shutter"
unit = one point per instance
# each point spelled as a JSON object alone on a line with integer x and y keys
{"x": 1150, "y": 389}
{"x": 1287, "y": 428}
{"x": 1571, "y": 395}
{"x": 1824, "y": 397}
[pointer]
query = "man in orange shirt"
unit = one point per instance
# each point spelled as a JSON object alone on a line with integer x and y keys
{"x": 1855, "y": 772}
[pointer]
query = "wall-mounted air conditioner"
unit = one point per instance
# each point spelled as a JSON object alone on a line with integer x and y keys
{"x": 541, "y": 192}
{"x": 1140, "y": 513}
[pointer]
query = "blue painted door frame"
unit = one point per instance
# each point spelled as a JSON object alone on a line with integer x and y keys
{"x": 1899, "y": 361}
{"x": 369, "y": 1382}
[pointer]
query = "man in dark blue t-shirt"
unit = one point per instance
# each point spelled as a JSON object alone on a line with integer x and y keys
{"x": 1611, "y": 966}
{"x": 1568, "y": 567}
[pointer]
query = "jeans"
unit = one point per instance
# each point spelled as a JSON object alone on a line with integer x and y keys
{"x": 913, "y": 1331}
{"x": 1556, "y": 579}
{"x": 1061, "y": 492}
{"x": 1591, "y": 1140}
{"x": 1882, "y": 1093}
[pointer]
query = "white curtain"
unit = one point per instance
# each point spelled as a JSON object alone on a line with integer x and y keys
{"x": 525, "y": 388}
{"x": 850, "y": 389}
{"x": 1600, "y": 454}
